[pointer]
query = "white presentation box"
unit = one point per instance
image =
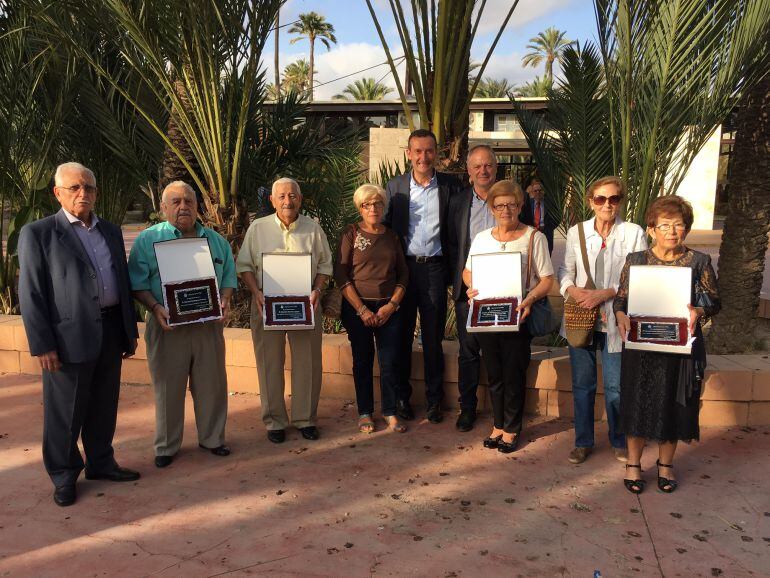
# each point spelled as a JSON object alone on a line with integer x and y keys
{"x": 497, "y": 277}
{"x": 658, "y": 296}
{"x": 287, "y": 283}
{"x": 188, "y": 280}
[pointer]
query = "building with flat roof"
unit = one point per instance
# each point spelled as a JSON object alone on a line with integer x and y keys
{"x": 492, "y": 121}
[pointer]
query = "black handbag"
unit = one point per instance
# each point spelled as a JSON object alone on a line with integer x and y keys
{"x": 540, "y": 321}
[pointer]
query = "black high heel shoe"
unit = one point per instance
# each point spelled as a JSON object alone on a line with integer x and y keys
{"x": 508, "y": 447}
{"x": 634, "y": 486}
{"x": 664, "y": 484}
{"x": 491, "y": 443}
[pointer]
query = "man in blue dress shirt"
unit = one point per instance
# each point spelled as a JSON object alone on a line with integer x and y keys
{"x": 417, "y": 212}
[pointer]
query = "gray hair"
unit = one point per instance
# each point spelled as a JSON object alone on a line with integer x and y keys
{"x": 479, "y": 147}
{"x": 72, "y": 166}
{"x": 283, "y": 181}
{"x": 178, "y": 185}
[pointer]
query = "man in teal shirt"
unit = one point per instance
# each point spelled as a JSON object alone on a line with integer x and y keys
{"x": 194, "y": 352}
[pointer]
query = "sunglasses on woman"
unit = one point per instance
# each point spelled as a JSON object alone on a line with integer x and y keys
{"x": 600, "y": 200}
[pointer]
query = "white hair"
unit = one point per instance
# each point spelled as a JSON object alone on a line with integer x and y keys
{"x": 178, "y": 185}
{"x": 283, "y": 181}
{"x": 72, "y": 166}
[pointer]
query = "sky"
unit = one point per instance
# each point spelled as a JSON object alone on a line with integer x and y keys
{"x": 358, "y": 46}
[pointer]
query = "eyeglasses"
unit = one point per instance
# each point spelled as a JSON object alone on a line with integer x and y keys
{"x": 90, "y": 189}
{"x": 502, "y": 206}
{"x": 600, "y": 200}
{"x": 378, "y": 205}
{"x": 666, "y": 227}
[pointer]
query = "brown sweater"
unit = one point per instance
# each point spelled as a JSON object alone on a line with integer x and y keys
{"x": 374, "y": 264}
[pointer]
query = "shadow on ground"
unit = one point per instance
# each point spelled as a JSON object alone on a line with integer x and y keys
{"x": 431, "y": 502}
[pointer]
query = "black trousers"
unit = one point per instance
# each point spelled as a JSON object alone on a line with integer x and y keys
{"x": 82, "y": 398}
{"x": 506, "y": 357}
{"x": 468, "y": 359}
{"x": 362, "y": 340}
{"x": 427, "y": 293}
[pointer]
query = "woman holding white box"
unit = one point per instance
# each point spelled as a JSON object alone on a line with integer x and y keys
{"x": 507, "y": 354}
{"x": 606, "y": 240}
{"x": 660, "y": 392}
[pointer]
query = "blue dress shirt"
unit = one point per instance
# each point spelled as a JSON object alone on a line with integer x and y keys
{"x": 424, "y": 226}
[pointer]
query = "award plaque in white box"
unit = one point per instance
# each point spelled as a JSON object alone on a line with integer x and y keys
{"x": 497, "y": 277}
{"x": 188, "y": 280}
{"x": 287, "y": 282}
{"x": 658, "y": 296}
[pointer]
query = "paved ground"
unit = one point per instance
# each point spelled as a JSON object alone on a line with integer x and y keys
{"x": 431, "y": 502}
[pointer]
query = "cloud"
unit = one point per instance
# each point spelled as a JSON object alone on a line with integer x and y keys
{"x": 509, "y": 66}
{"x": 527, "y": 11}
{"x": 347, "y": 59}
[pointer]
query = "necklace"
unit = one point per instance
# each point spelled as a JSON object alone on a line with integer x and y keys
{"x": 504, "y": 243}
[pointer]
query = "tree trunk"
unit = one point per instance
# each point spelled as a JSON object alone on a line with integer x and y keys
{"x": 276, "y": 63}
{"x": 172, "y": 168}
{"x": 744, "y": 239}
{"x": 312, "y": 66}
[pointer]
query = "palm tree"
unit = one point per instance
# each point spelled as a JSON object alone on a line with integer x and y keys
{"x": 493, "y": 88}
{"x": 442, "y": 31}
{"x": 663, "y": 94}
{"x": 744, "y": 239}
{"x": 538, "y": 87}
{"x": 296, "y": 76}
{"x": 364, "y": 89}
{"x": 314, "y": 27}
{"x": 546, "y": 47}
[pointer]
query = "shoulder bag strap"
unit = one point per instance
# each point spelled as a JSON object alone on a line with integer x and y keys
{"x": 584, "y": 251}
{"x": 529, "y": 260}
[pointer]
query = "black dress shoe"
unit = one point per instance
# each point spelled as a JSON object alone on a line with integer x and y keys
{"x": 116, "y": 474}
{"x": 404, "y": 410}
{"x": 466, "y": 419}
{"x": 64, "y": 495}
{"x": 434, "y": 414}
{"x": 310, "y": 432}
{"x": 163, "y": 461}
{"x": 277, "y": 436}
{"x": 217, "y": 451}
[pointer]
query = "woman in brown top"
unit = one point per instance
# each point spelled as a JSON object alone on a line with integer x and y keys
{"x": 372, "y": 274}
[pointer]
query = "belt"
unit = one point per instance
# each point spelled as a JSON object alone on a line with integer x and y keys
{"x": 423, "y": 259}
{"x": 112, "y": 310}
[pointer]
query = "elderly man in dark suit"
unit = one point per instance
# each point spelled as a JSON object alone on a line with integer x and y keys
{"x": 468, "y": 216}
{"x": 534, "y": 213}
{"x": 417, "y": 212}
{"x": 78, "y": 314}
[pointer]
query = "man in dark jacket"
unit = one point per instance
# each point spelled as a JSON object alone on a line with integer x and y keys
{"x": 417, "y": 212}
{"x": 78, "y": 313}
{"x": 468, "y": 216}
{"x": 534, "y": 212}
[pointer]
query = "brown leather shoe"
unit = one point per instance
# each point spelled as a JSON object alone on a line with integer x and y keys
{"x": 579, "y": 455}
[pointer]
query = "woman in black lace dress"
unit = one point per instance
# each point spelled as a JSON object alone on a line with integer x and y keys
{"x": 660, "y": 392}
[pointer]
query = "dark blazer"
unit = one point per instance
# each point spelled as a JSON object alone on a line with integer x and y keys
{"x": 58, "y": 290}
{"x": 397, "y": 217}
{"x": 458, "y": 239}
{"x": 527, "y": 216}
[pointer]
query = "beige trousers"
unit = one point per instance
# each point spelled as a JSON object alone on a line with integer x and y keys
{"x": 195, "y": 352}
{"x": 270, "y": 353}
